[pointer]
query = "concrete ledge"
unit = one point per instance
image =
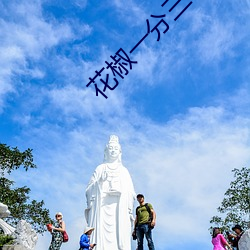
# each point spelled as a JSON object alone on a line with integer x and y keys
{"x": 13, "y": 247}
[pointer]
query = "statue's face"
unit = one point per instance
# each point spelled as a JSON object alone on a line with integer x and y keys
{"x": 114, "y": 150}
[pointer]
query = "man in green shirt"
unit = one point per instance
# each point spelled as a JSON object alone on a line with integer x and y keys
{"x": 144, "y": 223}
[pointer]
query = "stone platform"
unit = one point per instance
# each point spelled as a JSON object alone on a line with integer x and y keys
{"x": 13, "y": 247}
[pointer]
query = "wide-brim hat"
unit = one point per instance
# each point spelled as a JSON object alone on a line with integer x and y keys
{"x": 87, "y": 229}
{"x": 237, "y": 227}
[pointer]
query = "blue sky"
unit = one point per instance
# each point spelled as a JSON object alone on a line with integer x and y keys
{"x": 181, "y": 113}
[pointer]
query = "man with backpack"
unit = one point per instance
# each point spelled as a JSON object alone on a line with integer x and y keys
{"x": 144, "y": 223}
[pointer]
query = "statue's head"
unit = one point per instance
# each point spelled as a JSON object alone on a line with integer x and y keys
{"x": 4, "y": 211}
{"x": 113, "y": 150}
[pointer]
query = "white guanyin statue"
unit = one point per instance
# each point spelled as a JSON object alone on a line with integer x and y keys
{"x": 244, "y": 242}
{"x": 110, "y": 198}
{"x": 23, "y": 234}
{"x": 4, "y": 212}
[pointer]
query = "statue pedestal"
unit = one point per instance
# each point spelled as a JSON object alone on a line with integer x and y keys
{"x": 244, "y": 242}
{"x": 13, "y": 247}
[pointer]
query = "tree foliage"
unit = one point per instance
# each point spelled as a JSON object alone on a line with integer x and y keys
{"x": 235, "y": 206}
{"x": 12, "y": 159}
{"x": 17, "y": 199}
{"x": 6, "y": 239}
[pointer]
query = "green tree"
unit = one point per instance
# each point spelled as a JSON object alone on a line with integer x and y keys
{"x": 17, "y": 199}
{"x": 235, "y": 207}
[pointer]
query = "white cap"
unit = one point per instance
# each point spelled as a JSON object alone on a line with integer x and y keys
{"x": 59, "y": 213}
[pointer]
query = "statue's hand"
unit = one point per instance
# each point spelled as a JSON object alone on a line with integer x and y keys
{"x": 90, "y": 202}
{"x": 104, "y": 176}
{"x": 132, "y": 217}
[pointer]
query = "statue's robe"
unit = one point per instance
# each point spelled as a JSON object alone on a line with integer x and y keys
{"x": 244, "y": 242}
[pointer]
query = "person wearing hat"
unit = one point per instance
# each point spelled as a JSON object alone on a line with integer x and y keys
{"x": 56, "y": 231}
{"x": 84, "y": 240}
{"x": 239, "y": 231}
{"x": 144, "y": 223}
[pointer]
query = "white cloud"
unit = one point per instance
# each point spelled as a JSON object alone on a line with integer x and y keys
{"x": 219, "y": 31}
{"x": 217, "y": 42}
{"x": 32, "y": 33}
{"x": 242, "y": 6}
{"x": 80, "y": 3}
{"x": 130, "y": 12}
{"x": 147, "y": 60}
{"x": 25, "y": 35}
{"x": 83, "y": 102}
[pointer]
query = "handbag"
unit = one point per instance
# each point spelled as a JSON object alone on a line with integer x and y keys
{"x": 65, "y": 236}
{"x": 49, "y": 227}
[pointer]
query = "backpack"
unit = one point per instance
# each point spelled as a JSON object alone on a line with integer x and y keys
{"x": 149, "y": 212}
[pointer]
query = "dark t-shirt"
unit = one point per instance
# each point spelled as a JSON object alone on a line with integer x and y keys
{"x": 235, "y": 241}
